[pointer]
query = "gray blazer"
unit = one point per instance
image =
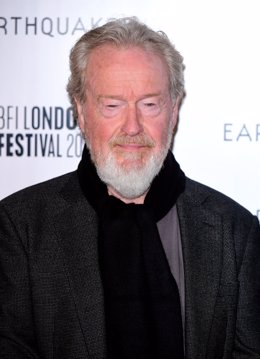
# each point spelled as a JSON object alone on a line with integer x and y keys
{"x": 51, "y": 297}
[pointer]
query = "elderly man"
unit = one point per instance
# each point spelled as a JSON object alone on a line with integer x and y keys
{"x": 126, "y": 257}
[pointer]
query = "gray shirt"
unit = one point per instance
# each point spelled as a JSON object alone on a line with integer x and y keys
{"x": 170, "y": 235}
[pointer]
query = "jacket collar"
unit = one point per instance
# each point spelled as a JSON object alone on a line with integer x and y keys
{"x": 201, "y": 230}
{"x": 76, "y": 230}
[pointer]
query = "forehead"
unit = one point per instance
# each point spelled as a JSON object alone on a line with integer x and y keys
{"x": 109, "y": 65}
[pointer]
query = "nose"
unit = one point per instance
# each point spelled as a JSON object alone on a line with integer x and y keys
{"x": 132, "y": 122}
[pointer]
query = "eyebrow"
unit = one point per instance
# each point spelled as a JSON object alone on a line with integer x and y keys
{"x": 119, "y": 97}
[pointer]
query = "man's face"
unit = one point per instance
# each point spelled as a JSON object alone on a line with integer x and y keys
{"x": 128, "y": 116}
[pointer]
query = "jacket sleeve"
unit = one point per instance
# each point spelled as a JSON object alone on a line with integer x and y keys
{"x": 17, "y": 338}
{"x": 247, "y": 341}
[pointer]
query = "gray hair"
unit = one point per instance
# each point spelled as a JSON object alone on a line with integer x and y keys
{"x": 123, "y": 33}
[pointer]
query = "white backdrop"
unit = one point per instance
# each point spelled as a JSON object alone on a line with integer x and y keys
{"x": 218, "y": 139}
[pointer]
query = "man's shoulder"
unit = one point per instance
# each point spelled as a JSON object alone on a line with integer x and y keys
{"x": 202, "y": 209}
{"x": 211, "y": 200}
{"x": 49, "y": 194}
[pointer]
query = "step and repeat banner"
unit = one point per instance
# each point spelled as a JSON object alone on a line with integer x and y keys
{"x": 218, "y": 137}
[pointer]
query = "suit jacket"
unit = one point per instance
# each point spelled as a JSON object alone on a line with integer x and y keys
{"x": 51, "y": 296}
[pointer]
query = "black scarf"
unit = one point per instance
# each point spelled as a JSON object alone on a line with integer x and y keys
{"x": 142, "y": 306}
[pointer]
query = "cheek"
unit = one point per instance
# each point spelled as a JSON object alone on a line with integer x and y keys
{"x": 159, "y": 133}
{"x": 98, "y": 135}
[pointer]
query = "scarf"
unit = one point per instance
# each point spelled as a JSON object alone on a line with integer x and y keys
{"x": 142, "y": 305}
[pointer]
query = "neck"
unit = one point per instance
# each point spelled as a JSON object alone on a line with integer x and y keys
{"x": 138, "y": 200}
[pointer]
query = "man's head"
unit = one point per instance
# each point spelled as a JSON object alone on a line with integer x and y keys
{"x": 126, "y": 83}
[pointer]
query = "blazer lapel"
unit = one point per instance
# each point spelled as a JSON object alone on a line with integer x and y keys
{"x": 202, "y": 253}
{"x": 76, "y": 229}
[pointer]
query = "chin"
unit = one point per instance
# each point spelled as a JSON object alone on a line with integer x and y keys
{"x": 132, "y": 160}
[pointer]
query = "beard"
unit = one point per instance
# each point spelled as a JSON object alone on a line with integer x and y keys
{"x": 134, "y": 176}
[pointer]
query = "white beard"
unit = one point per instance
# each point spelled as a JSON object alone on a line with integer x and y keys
{"x": 133, "y": 182}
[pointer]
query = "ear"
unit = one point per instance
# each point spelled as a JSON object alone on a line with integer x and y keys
{"x": 175, "y": 111}
{"x": 80, "y": 112}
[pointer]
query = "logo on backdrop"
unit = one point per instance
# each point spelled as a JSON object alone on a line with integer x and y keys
{"x": 48, "y": 26}
{"x": 246, "y": 133}
{"x": 39, "y": 132}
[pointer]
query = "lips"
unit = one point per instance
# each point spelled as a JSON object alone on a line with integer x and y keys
{"x": 132, "y": 146}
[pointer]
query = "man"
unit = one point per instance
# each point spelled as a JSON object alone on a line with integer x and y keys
{"x": 127, "y": 258}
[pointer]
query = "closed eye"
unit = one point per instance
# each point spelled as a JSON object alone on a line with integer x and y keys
{"x": 149, "y": 104}
{"x": 150, "y": 108}
{"x": 112, "y": 106}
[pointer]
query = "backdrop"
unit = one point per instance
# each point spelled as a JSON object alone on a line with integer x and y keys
{"x": 218, "y": 138}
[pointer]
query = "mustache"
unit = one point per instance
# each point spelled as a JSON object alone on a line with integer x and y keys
{"x": 141, "y": 139}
